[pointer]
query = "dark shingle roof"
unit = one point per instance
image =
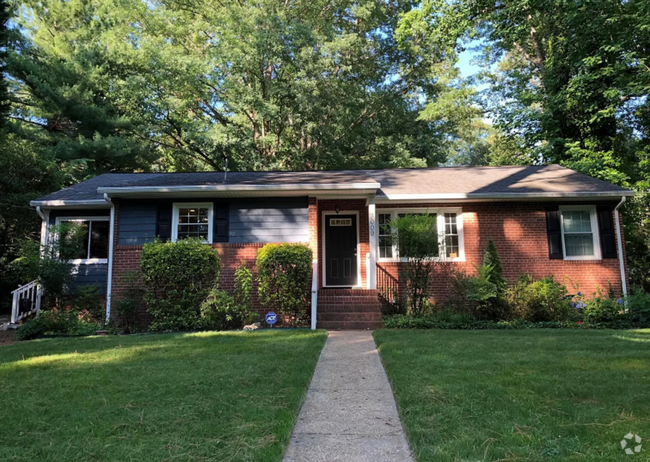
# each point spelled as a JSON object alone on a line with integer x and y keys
{"x": 549, "y": 179}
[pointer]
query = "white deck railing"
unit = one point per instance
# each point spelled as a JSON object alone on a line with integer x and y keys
{"x": 314, "y": 294}
{"x": 26, "y": 301}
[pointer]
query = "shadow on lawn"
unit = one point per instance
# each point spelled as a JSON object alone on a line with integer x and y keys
{"x": 132, "y": 347}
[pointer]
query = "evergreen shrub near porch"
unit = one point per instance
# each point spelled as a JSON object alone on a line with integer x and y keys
{"x": 284, "y": 273}
{"x": 178, "y": 276}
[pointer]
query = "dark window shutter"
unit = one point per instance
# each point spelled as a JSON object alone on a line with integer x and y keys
{"x": 164, "y": 222}
{"x": 607, "y": 232}
{"x": 221, "y": 218}
{"x": 554, "y": 232}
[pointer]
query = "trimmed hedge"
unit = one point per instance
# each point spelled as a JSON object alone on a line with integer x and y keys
{"x": 178, "y": 276}
{"x": 426, "y": 322}
{"x": 284, "y": 273}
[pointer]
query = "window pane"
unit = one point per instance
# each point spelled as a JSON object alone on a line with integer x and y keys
{"x": 451, "y": 226}
{"x": 577, "y": 221}
{"x": 99, "y": 239}
{"x": 451, "y": 246}
{"x": 385, "y": 236}
{"x": 83, "y": 251}
{"x": 193, "y": 222}
{"x": 579, "y": 245}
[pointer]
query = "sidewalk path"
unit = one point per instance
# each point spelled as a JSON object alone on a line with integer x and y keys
{"x": 349, "y": 414}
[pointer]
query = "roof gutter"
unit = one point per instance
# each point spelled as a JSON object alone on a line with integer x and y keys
{"x": 621, "y": 259}
{"x": 504, "y": 196}
{"x": 70, "y": 203}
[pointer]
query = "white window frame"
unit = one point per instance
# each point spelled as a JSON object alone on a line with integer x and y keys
{"x": 183, "y": 205}
{"x": 85, "y": 261}
{"x": 440, "y": 223}
{"x": 594, "y": 231}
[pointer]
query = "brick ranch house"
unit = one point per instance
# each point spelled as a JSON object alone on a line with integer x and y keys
{"x": 544, "y": 220}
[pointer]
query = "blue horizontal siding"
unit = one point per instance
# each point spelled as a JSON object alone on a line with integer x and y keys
{"x": 136, "y": 223}
{"x": 269, "y": 220}
{"x": 93, "y": 273}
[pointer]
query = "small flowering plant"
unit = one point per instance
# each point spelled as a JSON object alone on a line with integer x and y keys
{"x": 599, "y": 307}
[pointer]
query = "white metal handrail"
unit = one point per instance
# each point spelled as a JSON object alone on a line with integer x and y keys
{"x": 26, "y": 301}
{"x": 314, "y": 293}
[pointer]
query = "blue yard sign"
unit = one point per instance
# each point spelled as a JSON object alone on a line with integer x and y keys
{"x": 271, "y": 318}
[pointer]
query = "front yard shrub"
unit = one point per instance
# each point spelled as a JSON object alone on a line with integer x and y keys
{"x": 178, "y": 276}
{"x": 417, "y": 239}
{"x": 284, "y": 273}
{"x": 541, "y": 301}
{"x": 50, "y": 263}
{"x": 57, "y": 323}
{"x": 88, "y": 300}
{"x": 637, "y": 307}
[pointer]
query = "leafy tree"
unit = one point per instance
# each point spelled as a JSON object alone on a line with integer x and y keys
{"x": 294, "y": 85}
{"x": 417, "y": 241}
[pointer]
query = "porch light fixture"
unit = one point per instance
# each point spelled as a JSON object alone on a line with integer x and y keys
{"x": 337, "y": 209}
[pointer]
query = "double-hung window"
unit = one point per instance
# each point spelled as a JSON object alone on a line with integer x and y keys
{"x": 193, "y": 220}
{"x": 447, "y": 221}
{"x": 94, "y": 248}
{"x": 580, "y": 239}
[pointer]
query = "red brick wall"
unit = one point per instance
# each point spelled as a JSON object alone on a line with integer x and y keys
{"x": 519, "y": 233}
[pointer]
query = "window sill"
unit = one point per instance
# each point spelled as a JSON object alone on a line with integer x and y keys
{"x": 589, "y": 258}
{"x": 404, "y": 260}
{"x": 88, "y": 261}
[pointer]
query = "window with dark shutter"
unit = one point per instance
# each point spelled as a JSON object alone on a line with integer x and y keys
{"x": 607, "y": 232}
{"x": 554, "y": 232}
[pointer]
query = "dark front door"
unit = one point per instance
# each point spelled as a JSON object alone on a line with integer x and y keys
{"x": 341, "y": 250}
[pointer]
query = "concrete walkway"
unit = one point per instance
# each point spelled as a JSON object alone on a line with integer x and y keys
{"x": 349, "y": 414}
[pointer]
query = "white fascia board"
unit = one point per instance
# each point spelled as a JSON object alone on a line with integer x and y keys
{"x": 504, "y": 196}
{"x": 239, "y": 187}
{"x": 71, "y": 203}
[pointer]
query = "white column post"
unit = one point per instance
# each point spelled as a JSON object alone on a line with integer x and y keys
{"x": 372, "y": 233}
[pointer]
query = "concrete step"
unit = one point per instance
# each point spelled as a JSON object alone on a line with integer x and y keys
{"x": 349, "y": 325}
{"x": 349, "y": 300}
{"x": 348, "y": 307}
{"x": 375, "y": 316}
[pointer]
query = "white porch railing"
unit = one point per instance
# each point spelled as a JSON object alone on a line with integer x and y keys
{"x": 26, "y": 301}
{"x": 314, "y": 294}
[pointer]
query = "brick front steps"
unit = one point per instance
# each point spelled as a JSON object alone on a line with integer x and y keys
{"x": 348, "y": 309}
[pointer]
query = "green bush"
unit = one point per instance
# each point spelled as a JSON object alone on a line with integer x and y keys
{"x": 599, "y": 308}
{"x": 541, "y": 301}
{"x": 494, "y": 275}
{"x": 88, "y": 300}
{"x": 637, "y": 307}
{"x": 124, "y": 310}
{"x": 178, "y": 276}
{"x": 479, "y": 296}
{"x": 57, "y": 323}
{"x": 50, "y": 264}
{"x": 467, "y": 323}
{"x": 284, "y": 273}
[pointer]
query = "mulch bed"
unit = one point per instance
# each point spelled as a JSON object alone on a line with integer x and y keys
{"x": 8, "y": 337}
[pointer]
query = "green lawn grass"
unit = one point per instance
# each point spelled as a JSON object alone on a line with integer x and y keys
{"x": 177, "y": 397}
{"x": 565, "y": 395}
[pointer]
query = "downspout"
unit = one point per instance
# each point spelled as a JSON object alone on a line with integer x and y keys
{"x": 111, "y": 235}
{"x": 621, "y": 260}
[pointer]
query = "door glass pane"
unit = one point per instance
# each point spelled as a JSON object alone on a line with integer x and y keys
{"x": 99, "y": 239}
